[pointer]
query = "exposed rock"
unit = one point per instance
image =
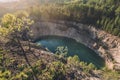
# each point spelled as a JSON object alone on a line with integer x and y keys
{"x": 102, "y": 50}
{"x": 94, "y": 78}
{"x": 113, "y": 44}
{"x": 95, "y": 46}
{"x": 87, "y": 35}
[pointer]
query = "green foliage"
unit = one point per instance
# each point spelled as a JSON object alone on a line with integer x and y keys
{"x": 54, "y": 71}
{"x": 20, "y": 75}
{"x": 57, "y": 69}
{"x": 1, "y": 56}
{"x": 11, "y": 23}
{"x": 87, "y": 67}
{"x": 102, "y": 13}
{"x": 108, "y": 74}
{"x": 111, "y": 25}
{"x": 13, "y": 27}
{"x": 62, "y": 51}
{"x": 74, "y": 60}
{"x": 116, "y": 31}
{"x": 117, "y": 11}
{"x": 5, "y": 75}
{"x": 105, "y": 13}
{"x": 91, "y": 66}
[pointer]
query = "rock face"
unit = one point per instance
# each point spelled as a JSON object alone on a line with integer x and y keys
{"x": 106, "y": 45}
{"x": 113, "y": 46}
{"x": 73, "y": 30}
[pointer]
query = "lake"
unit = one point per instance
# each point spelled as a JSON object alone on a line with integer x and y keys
{"x": 74, "y": 48}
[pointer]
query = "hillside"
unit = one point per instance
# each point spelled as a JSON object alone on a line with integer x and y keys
{"x": 42, "y": 64}
{"x": 60, "y": 40}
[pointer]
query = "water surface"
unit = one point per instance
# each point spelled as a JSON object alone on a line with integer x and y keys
{"x": 74, "y": 48}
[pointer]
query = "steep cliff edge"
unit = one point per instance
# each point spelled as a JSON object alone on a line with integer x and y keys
{"x": 112, "y": 44}
{"x": 106, "y": 45}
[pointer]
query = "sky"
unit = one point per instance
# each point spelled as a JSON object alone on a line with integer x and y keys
{"x": 8, "y": 0}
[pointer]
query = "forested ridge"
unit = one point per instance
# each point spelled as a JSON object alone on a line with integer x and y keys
{"x": 104, "y": 14}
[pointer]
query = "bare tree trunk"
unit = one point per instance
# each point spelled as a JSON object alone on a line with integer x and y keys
{"x": 29, "y": 45}
{"x": 25, "y": 56}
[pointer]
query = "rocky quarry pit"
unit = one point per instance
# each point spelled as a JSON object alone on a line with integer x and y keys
{"x": 104, "y": 44}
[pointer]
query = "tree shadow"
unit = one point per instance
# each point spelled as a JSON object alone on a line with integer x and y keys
{"x": 19, "y": 50}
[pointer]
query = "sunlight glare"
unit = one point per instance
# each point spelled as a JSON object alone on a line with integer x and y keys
{"x": 8, "y": 0}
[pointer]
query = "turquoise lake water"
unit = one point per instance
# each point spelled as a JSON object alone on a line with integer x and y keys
{"x": 74, "y": 48}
